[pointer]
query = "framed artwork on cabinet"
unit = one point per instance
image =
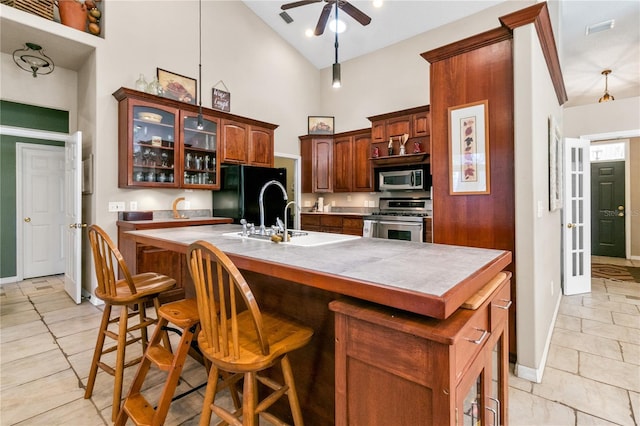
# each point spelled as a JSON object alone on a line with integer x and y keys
{"x": 320, "y": 125}
{"x": 469, "y": 149}
{"x": 555, "y": 166}
{"x": 178, "y": 87}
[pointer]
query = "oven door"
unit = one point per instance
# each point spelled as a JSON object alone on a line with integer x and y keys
{"x": 399, "y": 230}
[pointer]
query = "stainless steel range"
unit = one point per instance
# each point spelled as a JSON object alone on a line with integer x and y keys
{"x": 399, "y": 218}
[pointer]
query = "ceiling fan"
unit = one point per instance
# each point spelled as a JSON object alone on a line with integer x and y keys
{"x": 347, "y": 7}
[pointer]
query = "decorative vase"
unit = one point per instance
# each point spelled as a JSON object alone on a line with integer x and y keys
{"x": 73, "y": 14}
{"x": 141, "y": 84}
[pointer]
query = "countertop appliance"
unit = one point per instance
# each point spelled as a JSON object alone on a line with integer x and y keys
{"x": 399, "y": 218}
{"x": 239, "y": 191}
{"x": 410, "y": 179}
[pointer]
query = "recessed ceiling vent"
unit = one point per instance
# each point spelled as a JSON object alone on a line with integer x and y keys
{"x": 286, "y": 17}
{"x": 601, "y": 26}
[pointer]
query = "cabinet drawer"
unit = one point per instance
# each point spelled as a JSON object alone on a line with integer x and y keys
{"x": 309, "y": 220}
{"x": 472, "y": 338}
{"x": 500, "y": 306}
{"x": 331, "y": 221}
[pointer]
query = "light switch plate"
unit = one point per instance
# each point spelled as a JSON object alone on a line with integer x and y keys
{"x": 116, "y": 206}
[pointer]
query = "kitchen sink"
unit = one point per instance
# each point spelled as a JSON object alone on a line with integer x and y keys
{"x": 300, "y": 238}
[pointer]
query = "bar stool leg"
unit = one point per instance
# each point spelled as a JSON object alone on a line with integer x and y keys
{"x": 120, "y": 356}
{"x": 97, "y": 353}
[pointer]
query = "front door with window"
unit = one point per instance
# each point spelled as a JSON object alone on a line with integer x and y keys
{"x": 608, "y": 209}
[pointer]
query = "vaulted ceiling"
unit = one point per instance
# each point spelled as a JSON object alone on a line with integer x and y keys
{"x": 583, "y": 57}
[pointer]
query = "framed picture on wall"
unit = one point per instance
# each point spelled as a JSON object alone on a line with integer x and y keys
{"x": 320, "y": 125}
{"x": 469, "y": 149}
{"x": 555, "y": 166}
{"x": 178, "y": 87}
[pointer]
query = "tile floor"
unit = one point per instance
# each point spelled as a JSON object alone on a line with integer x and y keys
{"x": 46, "y": 342}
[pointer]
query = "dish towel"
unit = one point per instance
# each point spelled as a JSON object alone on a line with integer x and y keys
{"x": 367, "y": 229}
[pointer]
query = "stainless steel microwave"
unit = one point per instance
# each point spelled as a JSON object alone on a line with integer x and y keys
{"x": 401, "y": 180}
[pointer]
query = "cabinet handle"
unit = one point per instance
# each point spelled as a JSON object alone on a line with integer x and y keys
{"x": 496, "y": 412}
{"x": 477, "y": 342}
{"x": 507, "y": 306}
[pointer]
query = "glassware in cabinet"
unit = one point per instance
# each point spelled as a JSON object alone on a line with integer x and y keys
{"x": 199, "y": 157}
{"x": 151, "y": 145}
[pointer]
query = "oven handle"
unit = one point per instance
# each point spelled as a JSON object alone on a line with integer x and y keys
{"x": 382, "y": 222}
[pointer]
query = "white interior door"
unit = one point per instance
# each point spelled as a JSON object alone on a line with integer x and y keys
{"x": 42, "y": 220}
{"x": 577, "y": 217}
{"x": 73, "y": 216}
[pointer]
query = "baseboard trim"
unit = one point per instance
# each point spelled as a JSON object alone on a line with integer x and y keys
{"x": 91, "y": 298}
{"x": 535, "y": 374}
{"x": 8, "y": 280}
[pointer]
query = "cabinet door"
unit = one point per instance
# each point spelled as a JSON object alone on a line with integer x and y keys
{"x": 421, "y": 124}
{"x": 343, "y": 164}
{"x": 470, "y": 406}
{"x": 362, "y": 170}
{"x": 260, "y": 146}
{"x": 306, "y": 166}
{"x": 399, "y": 126}
{"x": 322, "y": 165}
{"x": 496, "y": 407}
{"x": 378, "y": 131}
{"x": 147, "y": 148}
{"x": 234, "y": 140}
{"x": 199, "y": 155}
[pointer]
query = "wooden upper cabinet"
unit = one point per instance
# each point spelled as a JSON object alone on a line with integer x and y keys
{"x": 421, "y": 124}
{"x": 261, "y": 146}
{"x": 399, "y": 126}
{"x": 322, "y": 153}
{"x": 362, "y": 170}
{"x": 343, "y": 164}
{"x": 378, "y": 131}
{"x": 235, "y": 141}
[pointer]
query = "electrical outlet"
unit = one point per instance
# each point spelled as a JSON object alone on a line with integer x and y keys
{"x": 307, "y": 203}
{"x": 187, "y": 205}
{"x": 133, "y": 206}
{"x": 116, "y": 206}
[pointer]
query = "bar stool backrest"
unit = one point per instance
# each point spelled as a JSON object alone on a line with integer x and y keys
{"x": 108, "y": 261}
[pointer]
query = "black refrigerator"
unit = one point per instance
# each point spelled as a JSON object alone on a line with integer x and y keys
{"x": 239, "y": 191}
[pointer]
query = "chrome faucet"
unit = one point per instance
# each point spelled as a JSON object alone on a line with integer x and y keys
{"x": 285, "y": 237}
{"x": 261, "y": 201}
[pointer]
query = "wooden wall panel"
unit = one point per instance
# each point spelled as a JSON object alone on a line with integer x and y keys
{"x": 471, "y": 75}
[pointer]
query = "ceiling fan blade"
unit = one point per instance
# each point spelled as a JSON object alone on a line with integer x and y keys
{"x": 354, "y": 12}
{"x": 324, "y": 17}
{"x": 298, "y": 3}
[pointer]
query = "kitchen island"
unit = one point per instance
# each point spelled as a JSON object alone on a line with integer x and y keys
{"x": 422, "y": 285}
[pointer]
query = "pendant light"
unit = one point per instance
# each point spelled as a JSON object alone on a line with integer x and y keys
{"x": 606, "y": 97}
{"x": 200, "y": 124}
{"x": 336, "y": 66}
{"x": 32, "y": 59}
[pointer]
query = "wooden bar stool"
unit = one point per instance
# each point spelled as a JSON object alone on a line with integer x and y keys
{"x": 131, "y": 290}
{"x": 237, "y": 338}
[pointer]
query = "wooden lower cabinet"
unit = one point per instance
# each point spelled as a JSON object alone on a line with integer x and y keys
{"x": 334, "y": 223}
{"x": 397, "y": 368}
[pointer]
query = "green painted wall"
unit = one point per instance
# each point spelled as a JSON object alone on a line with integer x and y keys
{"x": 31, "y": 117}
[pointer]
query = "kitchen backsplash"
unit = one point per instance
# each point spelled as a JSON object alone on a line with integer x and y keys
{"x": 358, "y": 202}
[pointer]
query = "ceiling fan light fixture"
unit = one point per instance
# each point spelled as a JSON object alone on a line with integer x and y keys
{"x": 606, "y": 97}
{"x": 337, "y": 26}
{"x": 377, "y": 3}
{"x": 31, "y": 58}
{"x": 337, "y": 81}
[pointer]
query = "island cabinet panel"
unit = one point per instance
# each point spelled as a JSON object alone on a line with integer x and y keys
{"x": 427, "y": 371}
{"x": 334, "y": 223}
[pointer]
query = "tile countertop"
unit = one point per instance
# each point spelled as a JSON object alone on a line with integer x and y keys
{"x": 383, "y": 271}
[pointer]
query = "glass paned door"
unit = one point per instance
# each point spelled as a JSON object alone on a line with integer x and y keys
{"x": 153, "y": 150}
{"x": 577, "y": 217}
{"x": 199, "y": 157}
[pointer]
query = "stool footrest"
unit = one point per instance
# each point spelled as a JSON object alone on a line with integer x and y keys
{"x": 139, "y": 410}
{"x": 160, "y": 356}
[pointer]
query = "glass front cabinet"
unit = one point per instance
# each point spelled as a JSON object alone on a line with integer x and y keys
{"x": 161, "y": 146}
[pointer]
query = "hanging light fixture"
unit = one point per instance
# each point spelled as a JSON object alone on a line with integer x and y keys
{"x": 336, "y": 66}
{"x": 31, "y": 58}
{"x": 606, "y": 97}
{"x": 200, "y": 124}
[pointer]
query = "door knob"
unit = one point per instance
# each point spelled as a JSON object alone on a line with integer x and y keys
{"x": 620, "y": 208}
{"x": 78, "y": 225}
{"x": 570, "y": 225}
{"x": 27, "y": 219}
{"x": 620, "y": 214}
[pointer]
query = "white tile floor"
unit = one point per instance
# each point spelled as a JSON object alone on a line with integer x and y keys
{"x": 46, "y": 342}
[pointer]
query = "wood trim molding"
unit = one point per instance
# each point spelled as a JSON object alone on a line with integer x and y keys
{"x": 538, "y": 15}
{"x": 470, "y": 43}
